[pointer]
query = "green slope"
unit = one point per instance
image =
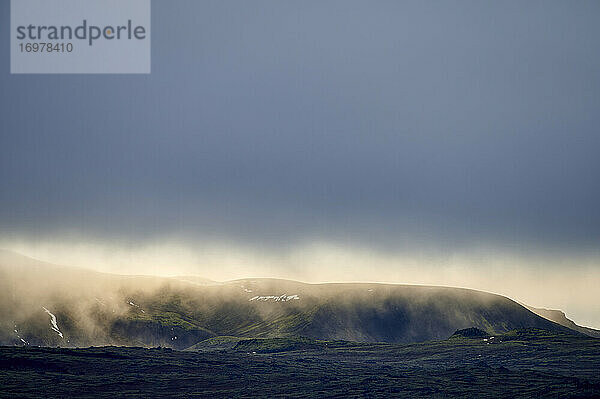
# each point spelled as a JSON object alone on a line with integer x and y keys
{"x": 99, "y": 309}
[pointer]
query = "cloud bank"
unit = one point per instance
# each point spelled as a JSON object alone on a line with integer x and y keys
{"x": 411, "y": 131}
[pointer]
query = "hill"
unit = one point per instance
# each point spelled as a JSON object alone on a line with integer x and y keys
{"x": 48, "y": 305}
{"x": 559, "y": 317}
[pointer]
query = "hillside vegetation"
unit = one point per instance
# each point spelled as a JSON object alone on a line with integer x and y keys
{"x": 47, "y": 305}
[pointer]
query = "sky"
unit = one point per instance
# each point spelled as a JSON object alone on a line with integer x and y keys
{"x": 451, "y": 143}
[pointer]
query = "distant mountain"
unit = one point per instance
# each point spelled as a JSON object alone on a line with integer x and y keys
{"x": 49, "y": 305}
{"x": 559, "y": 317}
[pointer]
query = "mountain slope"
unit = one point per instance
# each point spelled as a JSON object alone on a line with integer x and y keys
{"x": 43, "y": 304}
{"x": 559, "y": 317}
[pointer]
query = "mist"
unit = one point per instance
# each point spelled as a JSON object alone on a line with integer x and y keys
{"x": 535, "y": 280}
{"x": 403, "y": 142}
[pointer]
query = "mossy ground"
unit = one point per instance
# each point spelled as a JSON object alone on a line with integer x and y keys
{"x": 526, "y": 363}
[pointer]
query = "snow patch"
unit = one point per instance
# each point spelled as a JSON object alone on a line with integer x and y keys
{"x": 18, "y": 336}
{"x": 275, "y": 298}
{"x": 137, "y": 306}
{"x": 53, "y": 322}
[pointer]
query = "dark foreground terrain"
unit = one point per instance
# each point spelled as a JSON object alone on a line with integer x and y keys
{"x": 523, "y": 363}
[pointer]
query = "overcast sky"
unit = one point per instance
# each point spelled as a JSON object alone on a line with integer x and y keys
{"x": 395, "y": 126}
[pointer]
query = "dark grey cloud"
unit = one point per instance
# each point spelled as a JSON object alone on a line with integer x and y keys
{"x": 276, "y": 121}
